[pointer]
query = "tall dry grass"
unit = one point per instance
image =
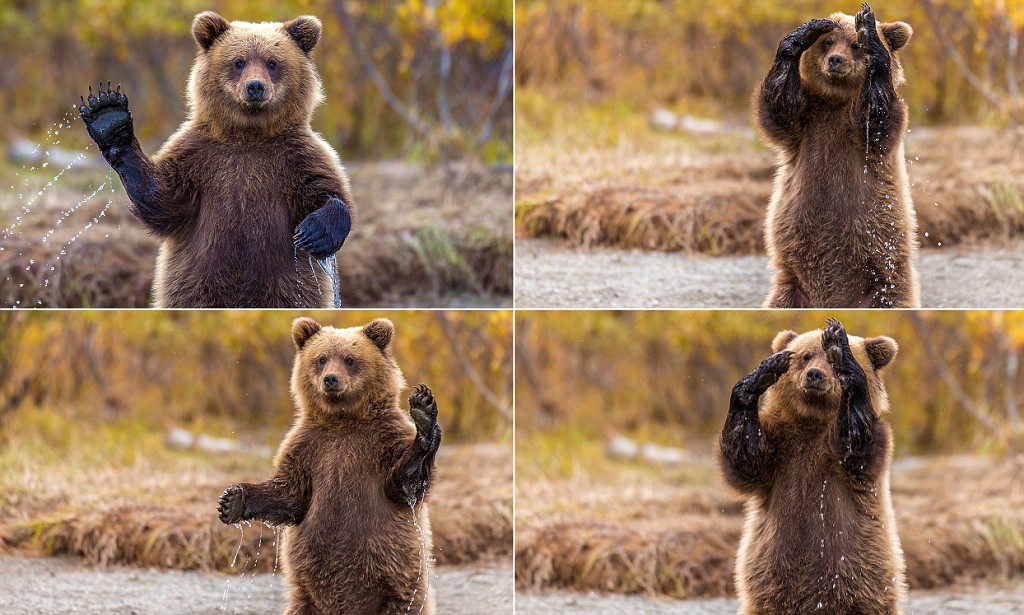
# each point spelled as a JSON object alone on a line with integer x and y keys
{"x": 677, "y": 194}
{"x": 424, "y": 237}
{"x": 960, "y": 519}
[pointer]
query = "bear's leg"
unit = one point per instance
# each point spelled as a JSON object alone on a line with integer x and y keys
{"x": 779, "y": 99}
{"x": 786, "y": 292}
{"x": 879, "y": 109}
{"x": 410, "y": 479}
{"x": 857, "y": 439}
{"x": 268, "y": 501}
{"x": 109, "y": 123}
{"x": 743, "y": 444}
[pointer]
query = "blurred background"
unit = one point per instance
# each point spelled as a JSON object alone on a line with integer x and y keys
{"x": 119, "y": 430}
{"x": 418, "y": 105}
{"x": 618, "y": 416}
{"x": 633, "y": 131}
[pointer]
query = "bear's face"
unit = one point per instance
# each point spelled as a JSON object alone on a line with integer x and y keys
{"x": 835, "y": 66}
{"x": 340, "y": 372}
{"x": 810, "y": 388}
{"x": 254, "y": 75}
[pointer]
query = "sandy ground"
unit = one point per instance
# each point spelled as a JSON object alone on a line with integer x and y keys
{"x": 551, "y": 274}
{"x": 990, "y": 601}
{"x": 30, "y": 586}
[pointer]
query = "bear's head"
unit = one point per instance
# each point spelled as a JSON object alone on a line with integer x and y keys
{"x": 835, "y": 66}
{"x": 344, "y": 372}
{"x": 257, "y": 77}
{"x": 810, "y": 388}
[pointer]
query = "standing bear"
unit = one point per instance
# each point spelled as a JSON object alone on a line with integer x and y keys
{"x": 351, "y": 478}
{"x": 806, "y": 446}
{"x": 244, "y": 195}
{"x": 841, "y": 229}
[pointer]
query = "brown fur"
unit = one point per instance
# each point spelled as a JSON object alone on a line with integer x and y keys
{"x": 819, "y": 536}
{"x": 243, "y": 176}
{"x": 841, "y": 230}
{"x": 350, "y": 548}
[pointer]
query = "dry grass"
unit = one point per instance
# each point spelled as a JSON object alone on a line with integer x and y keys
{"x": 631, "y": 531}
{"x": 666, "y": 193}
{"x": 435, "y": 237}
{"x": 164, "y": 515}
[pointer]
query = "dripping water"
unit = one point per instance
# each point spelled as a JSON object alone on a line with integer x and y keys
{"x": 329, "y": 266}
{"x": 422, "y": 572}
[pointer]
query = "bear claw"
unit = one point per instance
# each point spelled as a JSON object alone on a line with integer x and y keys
{"x": 106, "y": 116}
{"x": 231, "y": 505}
{"x": 836, "y": 344}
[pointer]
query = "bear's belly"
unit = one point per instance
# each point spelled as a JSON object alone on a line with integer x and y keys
{"x": 356, "y": 551}
{"x": 239, "y": 254}
{"x": 816, "y": 546}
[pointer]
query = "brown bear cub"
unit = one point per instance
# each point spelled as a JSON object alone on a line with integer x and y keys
{"x": 841, "y": 229}
{"x": 351, "y": 478}
{"x": 244, "y": 195}
{"x": 806, "y": 445}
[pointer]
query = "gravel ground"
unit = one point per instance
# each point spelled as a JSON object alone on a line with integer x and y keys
{"x": 550, "y": 274}
{"x": 971, "y": 601}
{"x": 30, "y": 586}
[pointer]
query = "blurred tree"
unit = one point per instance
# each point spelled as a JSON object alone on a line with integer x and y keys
{"x": 461, "y": 51}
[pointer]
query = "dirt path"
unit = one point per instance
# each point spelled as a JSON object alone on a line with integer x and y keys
{"x": 990, "y": 601}
{"x": 30, "y": 586}
{"x": 549, "y": 274}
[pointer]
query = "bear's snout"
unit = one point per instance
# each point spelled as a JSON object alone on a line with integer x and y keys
{"x": 256, "y": 90}
{"x": 332, "y": 383}
{"x": 814, "y": 380}
{"x": 838, "y": 64}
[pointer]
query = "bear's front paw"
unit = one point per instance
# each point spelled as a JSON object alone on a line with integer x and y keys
{"x": 107, "y": 117}
{"x": 324, "y": 231}
{"x": 864, "y": 23}
{"x": 799, "y": 40}
{"x": 231, "y": 504}
{"x": 836, "y": 345}
{"x": 754, "y": 384}
{"x": 423, "y": 408}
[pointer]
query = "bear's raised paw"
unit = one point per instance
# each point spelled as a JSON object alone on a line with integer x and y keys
{"x": 107, "y": 117}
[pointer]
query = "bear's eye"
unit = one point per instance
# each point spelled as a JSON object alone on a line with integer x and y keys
{"x": 322, "y": 361}
{"x": 828, "y": 42}
{"x": 272, "y": 64}
{"x": 807, "y": 356}
{"x": 239, "y": 63}
{"x": 855, "y": 46}
{"x": 350, "y": 361}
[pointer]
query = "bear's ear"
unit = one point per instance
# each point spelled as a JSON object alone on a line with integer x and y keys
{"x": 881, "y": 351}
{"x": 207, "y": 26}
{"x": 380, "y": 331}
{"x": 302, "y": 330}
{"x": 782, "y": 340}
{"x": 897, "y": 34}
{"x": 305, "y": 30}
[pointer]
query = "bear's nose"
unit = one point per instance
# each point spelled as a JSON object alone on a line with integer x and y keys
{"x": 836, "y": 62}
{"x": 814, "y": 377}
{"x": 331, "y": 382}
{"x": 255, "y": 89}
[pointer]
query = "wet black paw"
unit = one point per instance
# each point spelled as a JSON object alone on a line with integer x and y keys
{"x": 107, "y": 117}
{"x": 324, "y": 231}
{"x": 423, "y": 409}
{"x": 864, "y": 23}
{"x": 836, "y": 345}
{"x": 754, "y": 384}
{"x": 231, "y": 505}
{"x": 799, "y": 40}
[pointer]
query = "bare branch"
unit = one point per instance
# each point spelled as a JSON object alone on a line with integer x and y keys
{"x": 371, "y": 70}
{"x": 954, "y": 55}
{"x": 925, "y": 334}
{"x": 502, "y": 92}
{"x": 467, "y": 367}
